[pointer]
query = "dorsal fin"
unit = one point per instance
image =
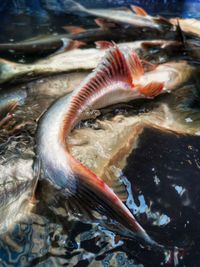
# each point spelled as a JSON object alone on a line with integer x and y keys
{"x": 135, "y": 65}
{"x": 139, "y": 11}
{"x": 112, "y": 68}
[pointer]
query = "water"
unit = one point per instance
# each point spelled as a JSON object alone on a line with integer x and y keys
{"x": 161, "y": 178}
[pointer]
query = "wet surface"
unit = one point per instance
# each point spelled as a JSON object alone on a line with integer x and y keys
{"x": 165, "y": 200}
{"x": 161, "y": 178}
{"x": 160, "y": 175}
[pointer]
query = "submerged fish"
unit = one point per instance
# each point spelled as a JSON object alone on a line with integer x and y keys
{"x": 41, "y": 45}
{"x": 77, "y": 59}
{"x": 124, "y": 16}
{"x": 118, "y": 78}
{"x": 44, "y": 45}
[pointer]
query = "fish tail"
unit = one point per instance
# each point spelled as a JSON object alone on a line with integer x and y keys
{"x": 98, "y": 195}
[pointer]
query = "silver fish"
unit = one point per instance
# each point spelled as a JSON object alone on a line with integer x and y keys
{"x": 124, "y": 16}
{"x": 119, "y": 78}
{"x": 40, "y": 45}
{"x": 77, "y": 59}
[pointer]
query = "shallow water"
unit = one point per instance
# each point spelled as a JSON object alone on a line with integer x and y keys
{"x": 161, "y": 177}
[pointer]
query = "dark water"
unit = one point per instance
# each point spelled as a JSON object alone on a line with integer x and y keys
{"x": 162, "y": 178}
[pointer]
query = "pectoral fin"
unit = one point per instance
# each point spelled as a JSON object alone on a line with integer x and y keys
{"x": 152, "y": 89}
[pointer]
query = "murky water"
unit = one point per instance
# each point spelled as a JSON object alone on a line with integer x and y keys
{"x": 160, "y": 177}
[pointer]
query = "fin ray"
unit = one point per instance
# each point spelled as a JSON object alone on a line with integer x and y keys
{"x": 113, "y": 68}
{"x": 135, "y": 65}
{"x": 152, "y": 89}
{"x": 139, "y": 11}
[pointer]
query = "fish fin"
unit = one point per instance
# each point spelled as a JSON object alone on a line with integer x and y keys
{"x": 78, "y": 206}
{"x": 112, "y": 68}
{"x": 139, "y": 11}
{"x": 97, "y": 195}
{"x": 74, "y": 29}
{"x": 72, "y": 44}
{"x": 152, "y": 89}
{"x": 7, "y": 109}
{"x": 105, "y": 24}
{"x": 103, "y": 44}
{"x": 114, "y": 182}
{"x": 68, "y": 44}
{"x": 135, "y": 65}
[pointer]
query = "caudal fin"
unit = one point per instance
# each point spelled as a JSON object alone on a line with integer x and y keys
{"x": 97, "y": 195}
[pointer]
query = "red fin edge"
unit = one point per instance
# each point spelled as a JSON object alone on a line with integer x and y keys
{"x": 74, "y": 29}
{"x": 152, "y": 89}
{"x": 139, "y": 11}
{"x": 135, "y": 65}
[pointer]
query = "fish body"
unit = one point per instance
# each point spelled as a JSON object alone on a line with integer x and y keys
{"x": 77, "y": 59}
{"x": 41, "y": 45}
{"x": 117, "y": 79}
{"x": 123, "y": 16}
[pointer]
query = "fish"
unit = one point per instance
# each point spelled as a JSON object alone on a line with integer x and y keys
{"x": 115, "y": 34}
{"x": 118, "y": 78}
{"x": 41, "y": 45}
{"x": 77, "y": 59}
{"x": 137, "y": 17}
